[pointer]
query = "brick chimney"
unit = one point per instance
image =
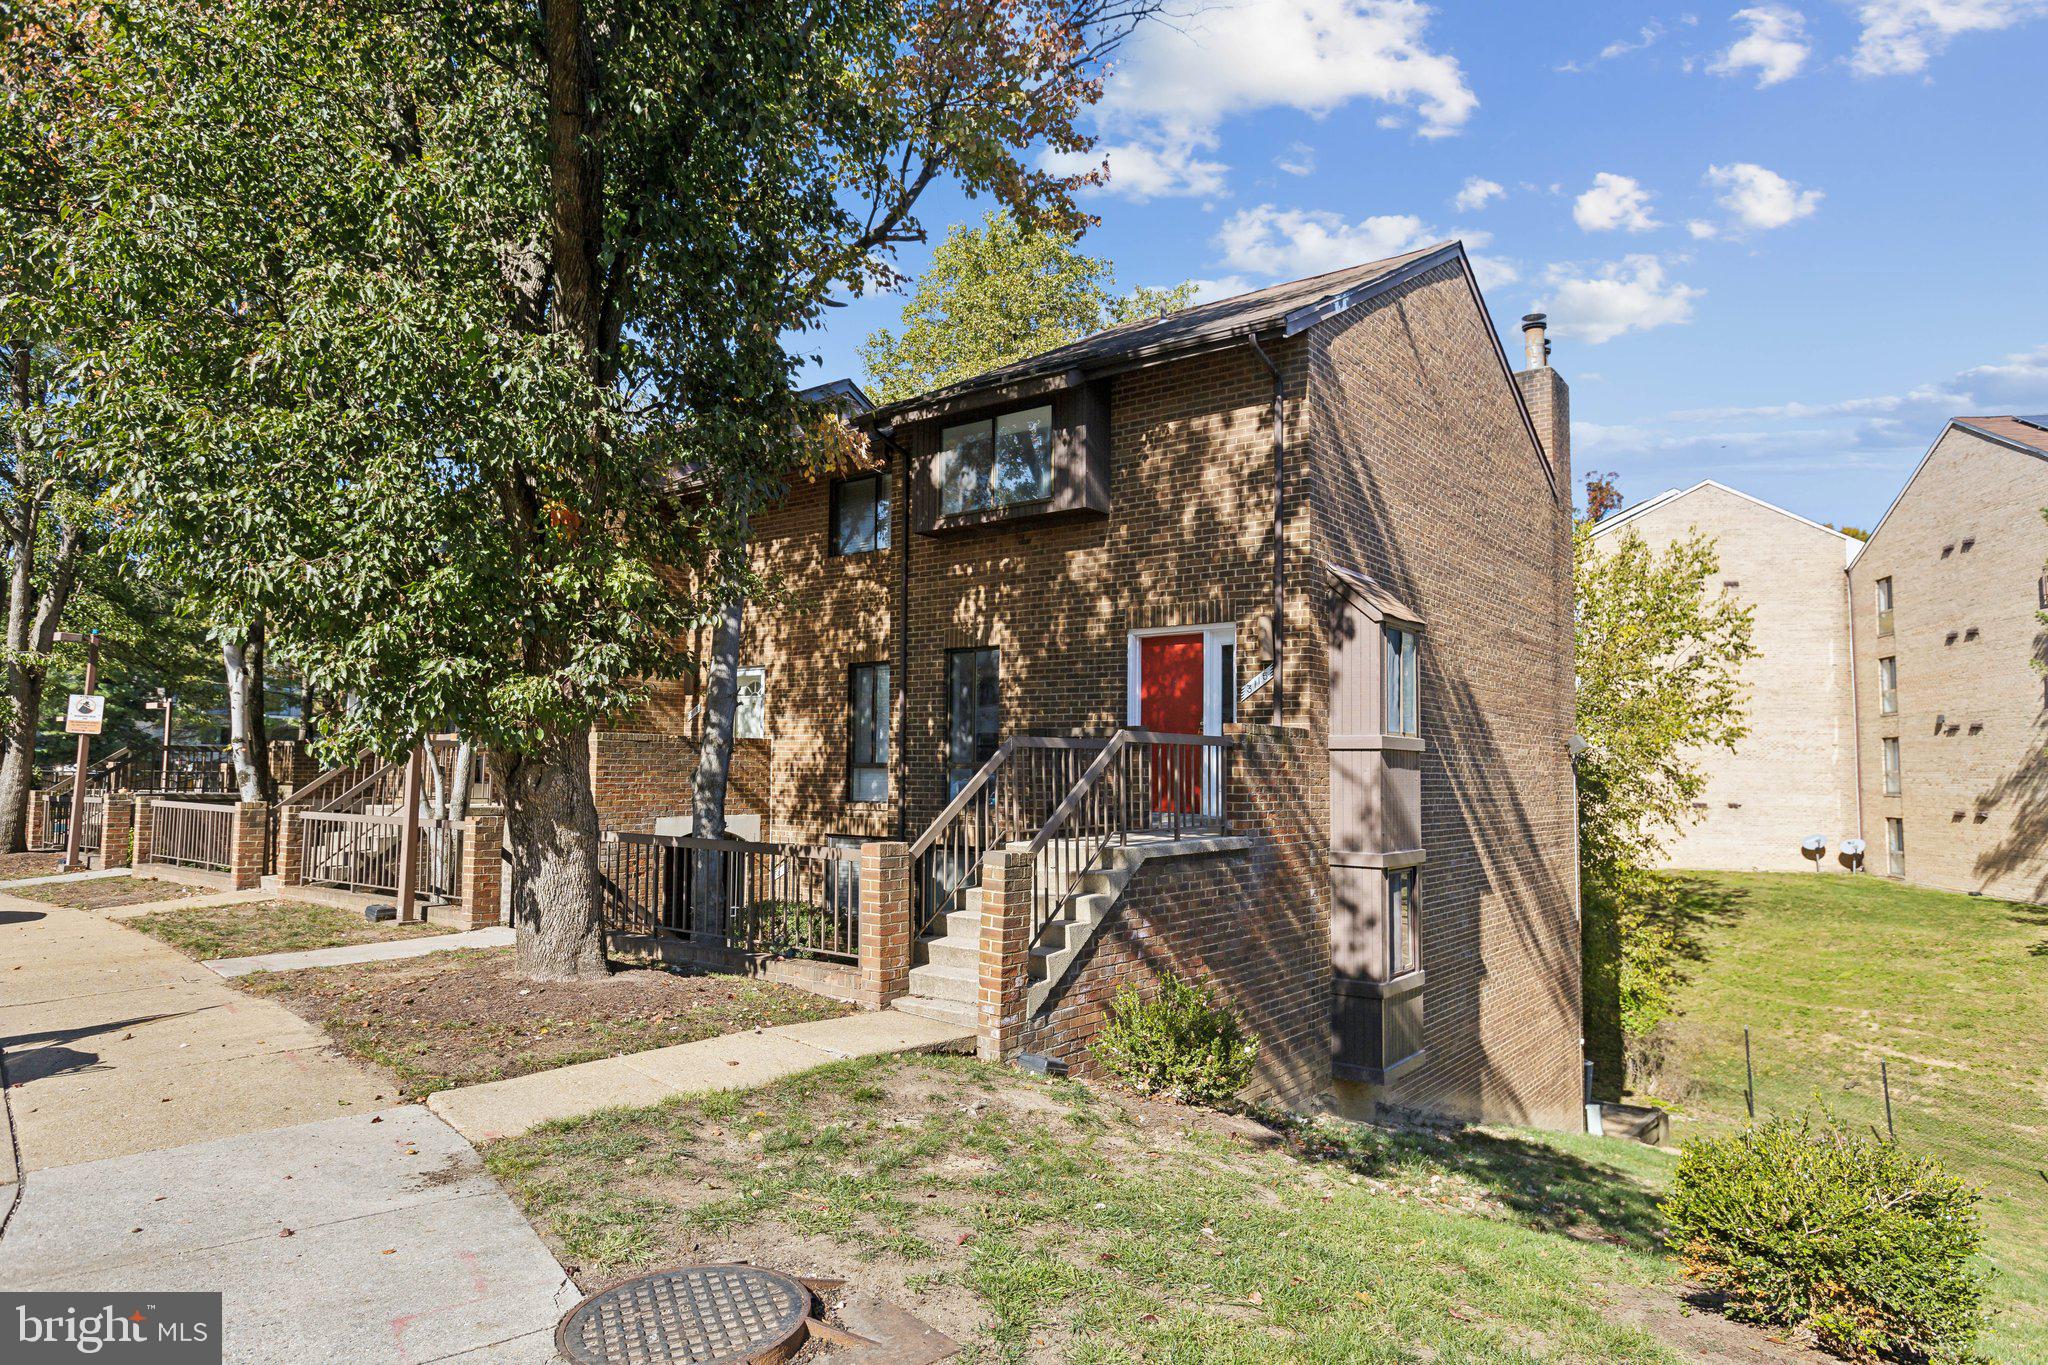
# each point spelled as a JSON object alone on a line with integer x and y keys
{"x": 1549, "y": 401}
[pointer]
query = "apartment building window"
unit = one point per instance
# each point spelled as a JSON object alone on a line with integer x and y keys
{"x": 845, "y": 873}
{"x": 868, "y": 746}
{"x": 750, "y": 717}
{"x": 1891, "y": 767}
{"x": 1398, "y": 671}
{"x": 1884, "y": 606}
{"x": 860, "y": 515}
{"x": 1404, "y": 913}
{"x": 974, "y": 729}
{"x": 999, "y": 462}
{"x": 1888, "y": 687}
{"x": 1894, "y": 847}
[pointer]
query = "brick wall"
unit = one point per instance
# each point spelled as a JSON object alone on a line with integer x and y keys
{"x": 1793, "y": 775}
{"x": 1427, "y": 479}
{"x": 1974, "y": 792}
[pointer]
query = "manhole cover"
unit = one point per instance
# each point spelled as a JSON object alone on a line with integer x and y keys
{"x": 700, "y": 1314}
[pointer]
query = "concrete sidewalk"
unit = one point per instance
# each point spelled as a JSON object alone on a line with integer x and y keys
{"x": 737, "y": 1061}
{"x": 367, "y": 1238}
{"x": 117, "y": 1043}
{"x": 389, "y": 949}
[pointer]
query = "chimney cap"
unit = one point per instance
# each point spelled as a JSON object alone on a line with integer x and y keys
{"x": 1531, "y": 320}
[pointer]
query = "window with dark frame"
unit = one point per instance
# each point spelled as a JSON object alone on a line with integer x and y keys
{"x": 1002, "y": 461}
{"x": 868, "y": 733}
{"x": 974, "y": 729}
{"x": 1404, "y": 910}
{"x": 860, "y": 515}
{"x": 845, "y": 878}
{"x": 1888, "y": 686}
{"x": 1398, "y": 671}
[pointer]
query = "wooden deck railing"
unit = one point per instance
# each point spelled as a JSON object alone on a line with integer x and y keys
{"x": 192, "y": 834}
{"x": 360, "y": 852}
{"x": 774, "y": 900}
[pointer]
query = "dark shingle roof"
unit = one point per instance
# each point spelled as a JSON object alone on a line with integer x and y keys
{"x": 1190, "y": 328}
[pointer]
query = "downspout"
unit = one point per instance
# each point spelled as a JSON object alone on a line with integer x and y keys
{"x": 1855, "y": 707}
{"x": 1279, "y": 522}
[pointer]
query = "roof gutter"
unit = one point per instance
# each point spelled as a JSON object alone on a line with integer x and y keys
{"x": 1279, "y": 522}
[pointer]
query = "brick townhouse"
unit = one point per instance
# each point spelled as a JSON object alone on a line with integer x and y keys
{"x": 1897, "y": 701}
{"x": 1236, "y": 642}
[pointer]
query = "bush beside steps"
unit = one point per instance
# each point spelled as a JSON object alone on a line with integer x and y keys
{"x": 1180, "y": 1044}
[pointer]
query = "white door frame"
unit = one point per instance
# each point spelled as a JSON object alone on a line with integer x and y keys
{"x": 1214, "y": 637}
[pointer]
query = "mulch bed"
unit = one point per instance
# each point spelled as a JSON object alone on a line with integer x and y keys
{"x": 466, "y": 1016}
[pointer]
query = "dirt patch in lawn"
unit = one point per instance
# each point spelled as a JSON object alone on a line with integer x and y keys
{"x": 464, "y": 1017}
{"x": 208, "y": 932}
{"x": 1036, "y": 1220}
{"x": 106, "y": 893}
{"x": 16, "y": 865}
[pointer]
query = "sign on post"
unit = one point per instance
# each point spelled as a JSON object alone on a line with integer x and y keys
{"x": 84, "y": 714}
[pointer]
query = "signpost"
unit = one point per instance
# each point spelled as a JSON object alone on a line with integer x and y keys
{"x": 82, "y": 718}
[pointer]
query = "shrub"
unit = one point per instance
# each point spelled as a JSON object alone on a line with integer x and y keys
{"x": 1180, "y": 1044}
{"x": 1806, "y": 1225}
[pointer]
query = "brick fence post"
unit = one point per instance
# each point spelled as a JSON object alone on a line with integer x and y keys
{"x": 291, "y": 847}
{"x": 145, "y": 828}
{"x": 483, "y": 866}
{"x": 884, "y": 923}
{"x": 1005, "y": 953}
{"x": 117, "y": 832}
{"x": 251, "y": 821}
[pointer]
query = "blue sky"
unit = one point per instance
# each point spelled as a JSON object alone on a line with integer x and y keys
{"x": 1779, "y": 243}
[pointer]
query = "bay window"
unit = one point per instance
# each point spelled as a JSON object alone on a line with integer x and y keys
{"x": 1399, "y": 674}
{"x": 1003, "y": 461}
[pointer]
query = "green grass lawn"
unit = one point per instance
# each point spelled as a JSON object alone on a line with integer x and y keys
{"x": 1037, "y": 1220}
{"x": 209, "y": 932}
{"x": 1833, "y": 975}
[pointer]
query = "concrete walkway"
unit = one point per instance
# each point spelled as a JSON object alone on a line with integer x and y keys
{"x": 176, "y": 1133}
{"x": 738, "y": 1061}
{"x": 500, "y": 937}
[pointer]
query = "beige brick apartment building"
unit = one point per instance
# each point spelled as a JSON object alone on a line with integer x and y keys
{"x": 1324, "y": 529}
{"x": 1794, "y": 776}
{"x": 1946, "y": 782}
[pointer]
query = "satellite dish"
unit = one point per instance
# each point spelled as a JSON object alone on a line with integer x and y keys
{"x": 1817, "y": 843}
{"x": 1853, "y": 847}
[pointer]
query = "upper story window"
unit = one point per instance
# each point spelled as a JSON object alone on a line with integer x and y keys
{"x": 868, "y": 747}
{"x": 1888, "y": 687}
{"x": 1891, "y": 765}
{"x": 1399, "y": 714}
{"x": 1001, "y": 461}
{"x": 1884, "y": 606}
{"x": 860, "y": 515}
{"x": 750, "y": 717}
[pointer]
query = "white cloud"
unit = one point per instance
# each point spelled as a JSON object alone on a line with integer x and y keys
{"x": 1762, "y": 199}
{"x": 1646, "y": 36}
{"x": 1614, "y": 201}
{"x": 1291, "y": 243}
{"x": 2019, "y": 383}
{"x": 1147, "y": 170}
{"x": 1223, "y": 287}
{"x": 1175, "y": 83}
{"x": 1775, "y": 46}
{"x": 1492, "y": 272}
{"x": 1702, "y": 230}
{"x": 1900, "y": 36}
{"x": 1629, "y": 295}
{"x": 1298, "y": 159}
{"x": 1476, "y": 194}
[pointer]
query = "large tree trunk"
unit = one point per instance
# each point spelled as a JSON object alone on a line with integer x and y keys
{"x": 18, "y": 763}
{"x": 248, "y": 737}
{"x": 714, "y": 754}
{"x": 551, "y": 824}
{"x": 465, "y": 771}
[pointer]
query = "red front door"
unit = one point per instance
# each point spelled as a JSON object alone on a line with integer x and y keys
{"x": 1170, "y": 701}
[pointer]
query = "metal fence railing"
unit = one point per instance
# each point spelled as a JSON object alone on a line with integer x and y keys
{"x": 776, "y": 900}
{"x": 54, "y": 826}
{"x": 192, "y": 834}
{"x": 361, "y": 853}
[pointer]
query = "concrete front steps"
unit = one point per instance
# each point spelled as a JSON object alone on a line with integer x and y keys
{"x": 947, "y": 983}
